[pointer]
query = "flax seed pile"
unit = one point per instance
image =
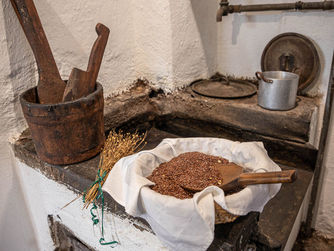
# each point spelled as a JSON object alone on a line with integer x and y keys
{"x": 192, "y": 169}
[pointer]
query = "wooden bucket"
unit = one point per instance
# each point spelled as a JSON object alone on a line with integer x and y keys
{"x": 67, "y": 132}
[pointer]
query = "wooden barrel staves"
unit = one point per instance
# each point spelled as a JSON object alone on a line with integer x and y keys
{"x": 67, "y": 132}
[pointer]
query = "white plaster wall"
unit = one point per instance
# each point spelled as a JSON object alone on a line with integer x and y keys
{"x": 47, "y": 197}
{"x": 16, "y": 73}
{"x": 241, "y": 40}
{"x": 324, "y": 221}
{"x": 243, "y": 37}
{"x": 169, "y": 42}
{"x": 175, "y": 41}
{"x": 70, "y": 29}
{"x": 152, "y": 36}
{"x": 194, "y": 40}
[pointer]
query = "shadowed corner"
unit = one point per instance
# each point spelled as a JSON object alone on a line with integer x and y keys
{"x": 200, "y": 31}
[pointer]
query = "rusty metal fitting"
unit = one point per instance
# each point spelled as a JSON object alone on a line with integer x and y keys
{"x": 223, "y": 10}
{"x": 224, "y": 3}
{"x": 328, "y": 5}
{"x": 226, "y": 8}
{"x": 299, "y": 5}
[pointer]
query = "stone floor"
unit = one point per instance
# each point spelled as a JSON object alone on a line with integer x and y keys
{"x": 314, "y": 243}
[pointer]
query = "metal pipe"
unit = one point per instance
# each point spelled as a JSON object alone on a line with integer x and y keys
{"x": 226, "y": 8}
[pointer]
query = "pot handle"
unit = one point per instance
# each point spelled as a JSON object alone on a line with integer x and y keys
{"x": 297, "y": 71}
{"x": 259, "y": 76}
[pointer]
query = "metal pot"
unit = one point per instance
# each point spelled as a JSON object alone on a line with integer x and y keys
{"x": 277, "y": 90}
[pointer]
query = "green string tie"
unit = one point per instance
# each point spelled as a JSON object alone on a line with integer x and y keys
{"x": 107, "y": 243}
{"x": 94, "y": 207}
{"x": 94, "y": 216}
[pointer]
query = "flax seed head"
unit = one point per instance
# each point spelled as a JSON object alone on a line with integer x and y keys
{"x": 116, "y": 146}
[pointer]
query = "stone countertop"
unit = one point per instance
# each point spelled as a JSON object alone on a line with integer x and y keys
{"x": 183, "y": 113}
{"x": 272, "y": 230}
{"x": 243, "y": 113}
{"x": 285, "y": 134}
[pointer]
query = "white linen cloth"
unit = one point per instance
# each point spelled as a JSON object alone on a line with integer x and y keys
{"x": 188, "y": 224}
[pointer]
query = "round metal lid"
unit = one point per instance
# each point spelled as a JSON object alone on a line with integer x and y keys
{"x": 224, "y": 88}
{"x": 292, "y": 52}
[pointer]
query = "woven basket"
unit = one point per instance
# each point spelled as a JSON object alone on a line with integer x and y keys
{"x": 222, "y": 216}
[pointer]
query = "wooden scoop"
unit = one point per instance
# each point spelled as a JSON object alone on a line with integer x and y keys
{"x": 81, "y": 83}
{"x": 50, "y": 86}
{"x": 234, "y": 178}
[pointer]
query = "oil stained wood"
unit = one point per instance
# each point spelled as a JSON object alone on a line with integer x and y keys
{"x": 50, "y": 86}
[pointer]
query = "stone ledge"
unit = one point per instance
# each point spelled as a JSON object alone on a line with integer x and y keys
{"x": 284, "y": 134}
{"x": 243, "y": 113}
{"x": 274, "y": 224}
{"x": 144, "y": 108}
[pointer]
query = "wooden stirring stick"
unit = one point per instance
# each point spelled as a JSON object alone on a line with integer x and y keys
{"x": 234, "y": 178}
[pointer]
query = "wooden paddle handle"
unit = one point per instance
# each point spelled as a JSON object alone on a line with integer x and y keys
{"x": 32, "y": 27}
{"x": 267, "y": 177}
{"x": 97, "y": 52}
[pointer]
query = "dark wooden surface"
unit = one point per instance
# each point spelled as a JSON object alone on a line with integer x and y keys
{"x": 50, "y": 85}
{"x": 81, "y": 83}
{"x": 96, "y": 55}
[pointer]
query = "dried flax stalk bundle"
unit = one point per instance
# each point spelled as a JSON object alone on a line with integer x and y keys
{"x": 117, "y": 146}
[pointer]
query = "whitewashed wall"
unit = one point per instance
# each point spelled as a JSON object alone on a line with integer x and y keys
{"x": 324, "y": 220}
{"x": 16, "y": 66}
{"x": 169, "y": 42}
{"x": 241, "y": 40}
{"x": 53, "y": 199}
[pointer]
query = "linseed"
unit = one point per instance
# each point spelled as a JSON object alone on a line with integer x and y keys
{"x": 191, "y": 169}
